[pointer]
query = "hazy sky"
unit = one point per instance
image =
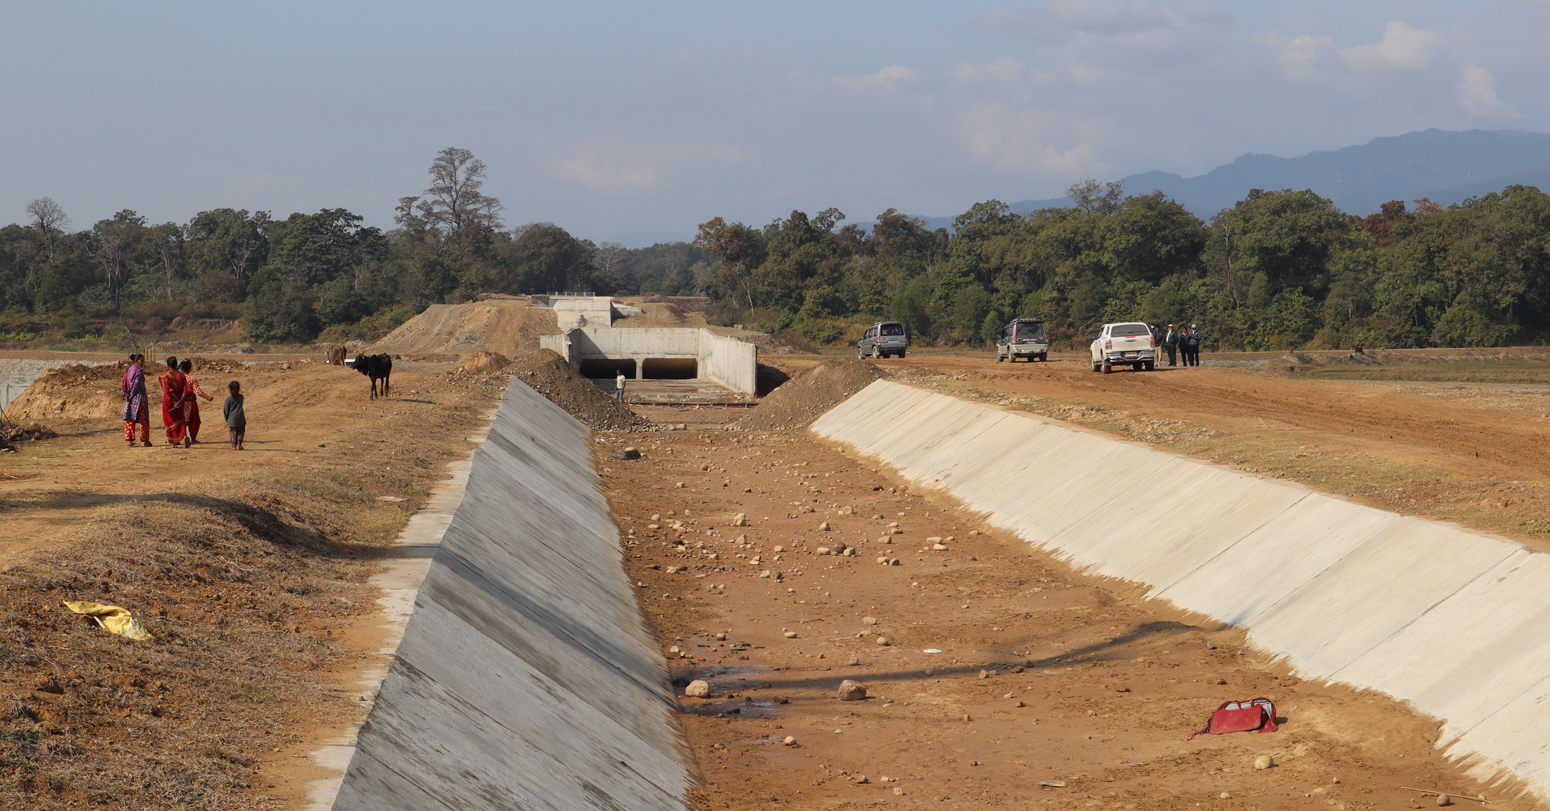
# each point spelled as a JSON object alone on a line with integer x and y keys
{"x": 637, "y": 121}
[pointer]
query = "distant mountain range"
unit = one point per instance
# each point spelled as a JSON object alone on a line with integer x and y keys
{"x": 1447, "y": 167}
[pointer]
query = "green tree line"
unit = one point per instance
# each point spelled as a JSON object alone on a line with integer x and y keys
{"x": 1278, "y": 270}
{"x": 305, "y": 277}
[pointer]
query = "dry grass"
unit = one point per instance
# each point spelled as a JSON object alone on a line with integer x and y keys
{"x": 249, "y": 586}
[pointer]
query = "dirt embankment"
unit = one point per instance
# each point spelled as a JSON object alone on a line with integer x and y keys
{"x": 81, "y": 392}
{"x": 551, "y": 376}
{"x": 506, "y": 324}
{"x": 807, "y": 396}
{"x": 249, "y": 568}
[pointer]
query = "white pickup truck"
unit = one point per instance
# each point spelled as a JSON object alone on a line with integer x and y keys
{"x": 1121, "y": 344}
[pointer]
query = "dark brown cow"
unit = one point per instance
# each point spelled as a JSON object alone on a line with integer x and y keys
{"x": 336, "y": 355}
{"x": 376, "y": 367}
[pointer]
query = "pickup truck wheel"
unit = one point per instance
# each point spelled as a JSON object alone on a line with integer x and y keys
{"x": 1095, "y": 365}
{"x": 1148, "y": 365}
{"x": 1043, "y": 357}
{"x": 901, "y": 352}
{"x": 999, "y": 358}
{"x": 1107, "y": 366}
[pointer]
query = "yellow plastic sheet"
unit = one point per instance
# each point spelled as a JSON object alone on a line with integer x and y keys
{"x": 111, "y": 617}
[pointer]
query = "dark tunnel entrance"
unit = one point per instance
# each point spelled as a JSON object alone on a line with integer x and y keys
{"x": 598, "y": 368}
{"x": 670, "y": 368}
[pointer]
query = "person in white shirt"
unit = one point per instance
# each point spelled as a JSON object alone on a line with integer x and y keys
{"x": 619, "y": 386}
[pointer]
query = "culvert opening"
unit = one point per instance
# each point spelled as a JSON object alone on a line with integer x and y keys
{"x": 670, "y": 368}
{"x": 601, "y": 368}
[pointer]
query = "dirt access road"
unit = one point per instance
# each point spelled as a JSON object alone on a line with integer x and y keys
{"x": 1470, "y": 453}
{"x": 1005, "y": 681}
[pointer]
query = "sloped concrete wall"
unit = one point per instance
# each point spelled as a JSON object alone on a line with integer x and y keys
{"x": 525, "y": 678}
{"x": 1453, "y": 621}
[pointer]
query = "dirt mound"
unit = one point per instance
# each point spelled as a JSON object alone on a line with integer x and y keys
{"x": 808, "y": 395}
{"x": 496, "y": 324}
{"x": 76, "y": 392}
{"x": 482, "y": 363}
{"x": 551, "y": 376}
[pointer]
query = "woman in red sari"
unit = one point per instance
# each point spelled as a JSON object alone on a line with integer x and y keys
{"x": 191, "y": 406}
{"x": 174, "y": 397}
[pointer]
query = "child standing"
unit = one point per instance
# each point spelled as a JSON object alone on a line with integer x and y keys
{"x": 236, "y": 421}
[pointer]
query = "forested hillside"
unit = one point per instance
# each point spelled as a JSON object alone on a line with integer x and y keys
{"x": 1279, "y": 269}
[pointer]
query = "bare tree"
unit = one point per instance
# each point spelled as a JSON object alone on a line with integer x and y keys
{"x": 167, "y": 239}
{"x": 609, "y": 256}
{"x": 47, "y": 215}
{"x": 453, "y": 206}
{"x": 113, "y": 244}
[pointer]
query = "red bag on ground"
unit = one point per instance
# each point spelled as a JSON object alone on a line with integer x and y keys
{"x": 1241, "y": 716}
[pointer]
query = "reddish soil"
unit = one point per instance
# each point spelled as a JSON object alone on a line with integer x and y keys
{"x": 1047, "y": 690}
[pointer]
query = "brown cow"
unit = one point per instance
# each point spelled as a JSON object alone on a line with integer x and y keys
{"x": 336, "y": 355}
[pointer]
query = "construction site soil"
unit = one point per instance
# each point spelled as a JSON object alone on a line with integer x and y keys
{"x": 805, "y": 397}
{"x": 993, "y": 676}
{"x": 551, "y": 376}
{"x": 249, "y": 568}
{"x": 243, "y": 549}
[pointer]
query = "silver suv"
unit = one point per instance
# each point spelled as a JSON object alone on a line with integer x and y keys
{"x": 883, "y": 339}
{"x": 1129, "y": 343}
{"x": 1022, "y": 338}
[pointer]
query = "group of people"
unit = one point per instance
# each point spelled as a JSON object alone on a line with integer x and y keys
{"x": 1178, "y": 341}
{"x": 180, "y": 394}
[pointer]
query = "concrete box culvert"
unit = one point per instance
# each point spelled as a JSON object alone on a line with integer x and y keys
{"x": 525, "y": 678}
{"x": 1344, "y": 592}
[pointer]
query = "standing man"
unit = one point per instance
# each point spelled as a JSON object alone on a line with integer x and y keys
{"x": 174, "y": 391}
{"x": 1192, "y": 341}
{"x": 1171, "y": 343}
{"x": 619, "y": 386}
{"x": 136, "y": 404}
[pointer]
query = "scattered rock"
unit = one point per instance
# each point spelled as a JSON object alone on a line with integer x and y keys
{"x": 627, "y": 453}
{"x": 789, "y": 741}
{"x": 740, "y": 520}
{"x": 699, "y": 688}
{"x": 1264, "y": 762}
{"x": 884, "y": 641}
{"x": 1224, "y": 795}
{"x": 824, "y": 527}
{"x": 937, "y": 547}
{"x": 854, "y": 661}
{"x": 851, "y": 691}
{"x": 790, "y": 634}
{"x": 869, "y": 620}
{"x": 1444, "y": 800}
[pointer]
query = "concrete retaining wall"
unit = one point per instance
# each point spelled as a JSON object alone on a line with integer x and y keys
{"x": 525, "y": 678}
{"x": 728, "y": 361}
{"x": 1453, "y": 621}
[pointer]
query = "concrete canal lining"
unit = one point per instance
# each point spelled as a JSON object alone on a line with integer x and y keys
{"x": 525, "y": 678}
{"x": 1453, "y": 621}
